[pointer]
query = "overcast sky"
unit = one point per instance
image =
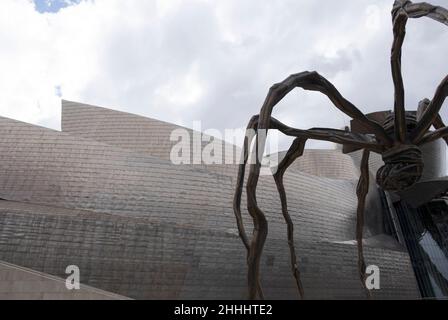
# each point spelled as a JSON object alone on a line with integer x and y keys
{"x": 183, "y": 61}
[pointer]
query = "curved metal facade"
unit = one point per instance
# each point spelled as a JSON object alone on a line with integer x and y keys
{"x": 103, "y": 195}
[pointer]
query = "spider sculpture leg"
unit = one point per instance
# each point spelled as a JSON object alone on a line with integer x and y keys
{"x": 431, "y": 114}
{"x": 332, "y": 135}
{"x": 309, "y": 81}
{"x": 295, "y": 151}
{"x": 399, "y": 29}
{"x": 260, "y": 230}
{"x": 441, "y": 133}
{"x": 401, "y": 12}
{"x": 438, "y": 122}
{"x": 362, "y": 190}
{"x": 250, "y": 135}
{"x": 403, "y": 9}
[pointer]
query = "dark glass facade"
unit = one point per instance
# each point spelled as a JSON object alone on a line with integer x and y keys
{"x": 425, "y": 233}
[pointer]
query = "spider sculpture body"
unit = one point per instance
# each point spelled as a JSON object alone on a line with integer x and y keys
{"x": 398, "y": 140}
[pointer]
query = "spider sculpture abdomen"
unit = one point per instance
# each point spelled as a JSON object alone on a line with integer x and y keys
{"x": 403, "y": 168}
{"x": 403, "y": 164}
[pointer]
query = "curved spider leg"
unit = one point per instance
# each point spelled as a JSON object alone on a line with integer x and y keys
{"x": 342, "y": 137}
{"x": 400, "y": 19}
{"x": 438, "y": 124}
{"x": 260, "y": 230}
{"x": 313, "y": 81}
{"x": 422, "y": 108}
{"x": 401, "y": 12}
{"x": 422, "y": 9}
{"x": 336, "y": 136}
{"x": 361, "y": 192}
{"x": 332, "y": 135}
{"x": 295, "y": 151}
{"x": 431, "y": 114}
{"x": 250, "y": 135}
{"x": 441, "y": 133}
{"x": 309, "y": 81}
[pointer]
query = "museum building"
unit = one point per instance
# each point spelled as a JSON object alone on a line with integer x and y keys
{"x": 102, "y": 194}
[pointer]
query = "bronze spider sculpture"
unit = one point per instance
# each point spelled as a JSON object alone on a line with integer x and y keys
{"x": 398, "y": 140}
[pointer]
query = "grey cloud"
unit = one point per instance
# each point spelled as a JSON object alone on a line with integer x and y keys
{"x": 235, "y": 50}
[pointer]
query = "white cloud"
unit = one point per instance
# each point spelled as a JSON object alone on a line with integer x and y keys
{"x": 213, "y": 61}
